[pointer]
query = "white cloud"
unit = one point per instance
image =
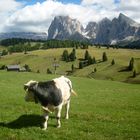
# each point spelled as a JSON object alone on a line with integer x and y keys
{"x": 38, "y": 17}
{"x": 100, "y": 3}
{"x": 112, "y": 8}
{"x": 8, "y": 5}
{"x": 130, "y": 8}
{"x": 6, "y": 8}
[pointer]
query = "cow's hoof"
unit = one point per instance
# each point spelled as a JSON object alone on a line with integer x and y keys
{"x": 66, "y": 118}
{"x": 44, "y": 129}
{"x": 58, "y": 126}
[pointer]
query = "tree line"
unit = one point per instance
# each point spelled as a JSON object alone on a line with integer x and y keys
{"x": 25, "y": 45}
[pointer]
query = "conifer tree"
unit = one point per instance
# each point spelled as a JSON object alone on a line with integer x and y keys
{"x": 72, "y": 55}
{"x": 104, "y": 57}
{"x": 134, "y": 73}
{"x": 80, "y": 65}
{"x": 72, "y": 68}
{"x": 90, "y": 60}
{"x": 93, "y": 60}
{"x": 65, "y": 56}
{"x": 86, "y": 55}
{"x": 131, "y": 64}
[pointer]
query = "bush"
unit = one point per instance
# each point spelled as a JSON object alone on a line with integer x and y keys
{"x": 4, "y": 52}
{"x": 27, "y": 68}
{"x": 2, "y": 67}
{"x": 95, "y": 69}
{"x": 38, "y": 71}
{"x": 49, "y": 71}
{"x": 113, "y": 62}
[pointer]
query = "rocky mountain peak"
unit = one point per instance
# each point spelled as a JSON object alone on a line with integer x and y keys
{"x": 123, "y": 18}
{"x": 62, "y": 27}
{"x": 104, "y": 32}
{"x": 105, "y": 21}
{"x": 91, "y": 30}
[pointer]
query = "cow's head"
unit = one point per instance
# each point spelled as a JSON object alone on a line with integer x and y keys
{"x": 29, "y": 87}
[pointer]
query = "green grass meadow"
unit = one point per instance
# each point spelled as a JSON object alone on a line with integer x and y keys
{"x": 41, "y": 60}
{"x": 103, "y": 110}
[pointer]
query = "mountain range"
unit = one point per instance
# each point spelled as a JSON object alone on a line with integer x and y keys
{"x": 115, "y": 31}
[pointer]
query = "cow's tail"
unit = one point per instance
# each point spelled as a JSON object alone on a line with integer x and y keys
{"x": 73, "y": 92}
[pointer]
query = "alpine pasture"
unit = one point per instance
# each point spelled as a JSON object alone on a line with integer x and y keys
{"x": 41, "y": 60}
{"x": 105, "y": 108}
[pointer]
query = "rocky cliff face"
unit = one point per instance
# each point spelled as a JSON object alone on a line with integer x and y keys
{"x": 104, "y": 32}
{"x": 118, "y": 29}
{"x": 91, "y": 30}
{"x": 123, "y": 27}
{"x": 63, "y": 27}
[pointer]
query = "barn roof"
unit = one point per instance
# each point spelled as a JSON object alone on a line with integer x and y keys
{"x": 13, "y": 66}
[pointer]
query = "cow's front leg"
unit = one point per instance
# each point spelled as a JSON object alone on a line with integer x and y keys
{"x": 45, "y": 125}
{"x": 58, "y": 115}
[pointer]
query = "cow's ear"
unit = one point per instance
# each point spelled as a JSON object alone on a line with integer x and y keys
{"x": 32, "y": 85}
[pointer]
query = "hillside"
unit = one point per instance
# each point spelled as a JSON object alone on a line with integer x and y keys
{"x": 2, "y": 48}
{"x": 103, "y": 110}
{"x": 41, "y": 60}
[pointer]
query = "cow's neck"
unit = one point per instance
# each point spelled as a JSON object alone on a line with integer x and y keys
{"x": 41, "y": 98}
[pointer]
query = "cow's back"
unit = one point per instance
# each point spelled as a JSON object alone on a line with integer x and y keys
{"x": 63, "y": 85}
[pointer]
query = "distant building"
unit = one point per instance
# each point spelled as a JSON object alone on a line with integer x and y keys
{"x": 13, "y": 67}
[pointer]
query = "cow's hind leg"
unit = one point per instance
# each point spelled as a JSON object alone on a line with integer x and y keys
{"x": 58, "y": 115}
{"x": 45, "y": 125}
{"x": 67, "y": 109}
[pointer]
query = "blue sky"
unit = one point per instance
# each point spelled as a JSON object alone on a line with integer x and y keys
{"x": 71, "y": 1}
{"x": 30, "y": 2}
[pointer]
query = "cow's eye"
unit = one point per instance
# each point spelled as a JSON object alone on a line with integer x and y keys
{"x": 25, "y": 87}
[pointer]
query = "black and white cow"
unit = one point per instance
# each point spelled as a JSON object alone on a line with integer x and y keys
{"x": 52, "y": 95}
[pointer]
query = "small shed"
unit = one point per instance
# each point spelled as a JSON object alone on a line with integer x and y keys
{"x": 13, "y": 67}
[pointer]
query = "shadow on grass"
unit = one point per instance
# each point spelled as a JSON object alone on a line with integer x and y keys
{"x": 24, "y": 121}
{"x": 124, "y": 69}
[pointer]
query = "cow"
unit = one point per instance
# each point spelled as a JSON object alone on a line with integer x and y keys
{"x": 52, "y": 95}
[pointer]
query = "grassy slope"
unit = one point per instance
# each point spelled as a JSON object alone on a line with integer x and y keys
{"x": 43, "y": 59}
{"x": 103, "y": 110}
{"x": 2, "y": 48}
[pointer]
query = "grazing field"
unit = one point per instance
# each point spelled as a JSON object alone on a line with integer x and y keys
{"x": 103, "y": 110}
{"x": 41, "y": 60}
{"x": 2, "y": 48}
